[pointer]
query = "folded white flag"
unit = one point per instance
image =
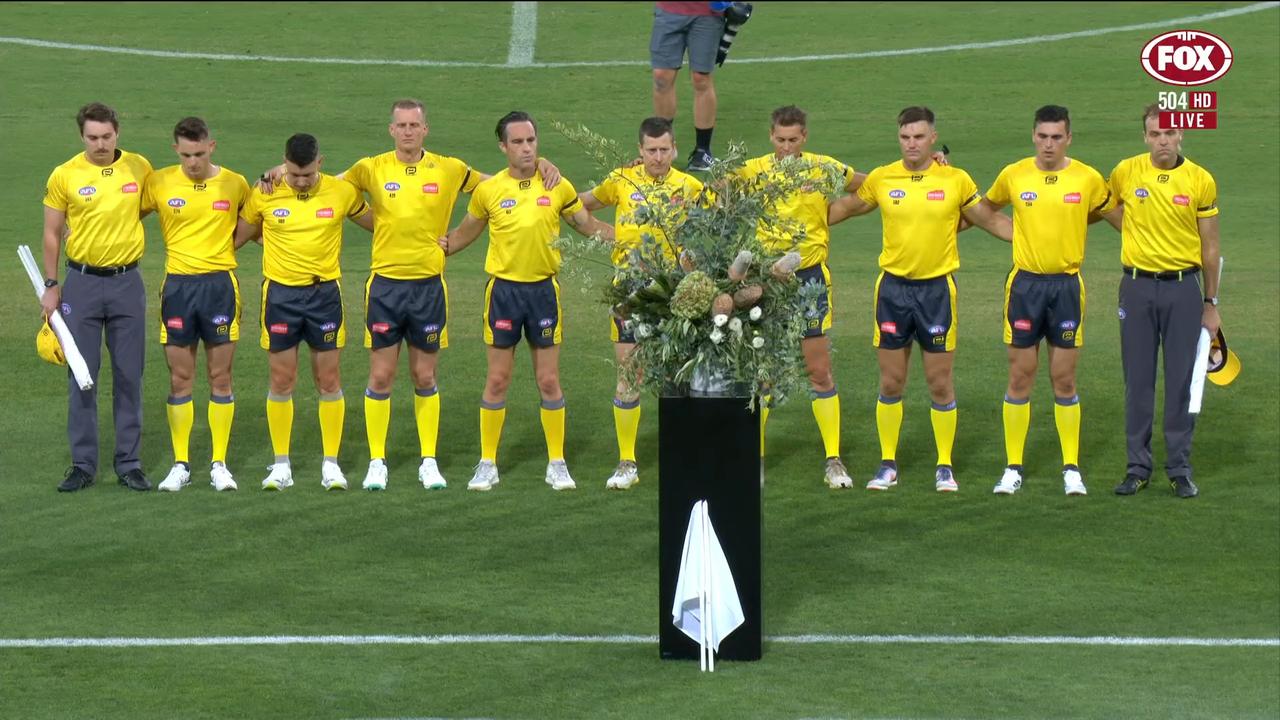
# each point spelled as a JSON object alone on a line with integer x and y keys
{"x": 705, "y": 592}
{"x": 1198, "y": 373}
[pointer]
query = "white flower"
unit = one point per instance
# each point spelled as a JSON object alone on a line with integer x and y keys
{"x": 735, "y": 326}
{"x": 757, "y": 342}
{"x": 720, "y": 320}
{"x": 643, "y": 331}
{"x": 755, "y": 313}
{"x": 717, "y": 336}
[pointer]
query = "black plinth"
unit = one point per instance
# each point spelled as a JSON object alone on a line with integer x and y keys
{"x": 709, "y": 449}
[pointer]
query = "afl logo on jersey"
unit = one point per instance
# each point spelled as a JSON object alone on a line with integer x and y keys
{"x": 280, "y": 212}
{"x": 507, "y": 204}
{"x": 897, "y": 194}
{"x": 637, "y": 196}
{"x": 391, "y": 186}
{"x": 87, "y": 191}
{"x": 1141, "y": 192}
{"x": 177, "y": 202}
{"x": 1028, "y": 196}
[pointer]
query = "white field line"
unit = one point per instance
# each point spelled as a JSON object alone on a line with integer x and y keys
{"x": 524, "y": 33}
{"x": 1013, "y": 42}
{"x": 256, "y": 640}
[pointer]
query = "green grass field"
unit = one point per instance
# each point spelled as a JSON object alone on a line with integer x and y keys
{"x": 523, "y": 560}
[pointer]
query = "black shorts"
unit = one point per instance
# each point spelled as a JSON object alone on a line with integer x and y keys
{"x": 923, "y": 310}
{"x": 817, "y": 321}
{"x": 620, "y": 334}
{"x": 512, "y": 307}
{"x": 412, "y": 310}
{"x": 291, "y": 314}
{"x": 199, "y": 307}
{"x": 1043, "y": 306}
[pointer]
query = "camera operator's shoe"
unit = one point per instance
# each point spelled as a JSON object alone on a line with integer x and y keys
{"x": 135, "y": 480}
{"x": 1183, "y": 487}
{"x": 75, "y": 479}
{"x": 700, "y": 160}
{"x": 1132, "y": 484}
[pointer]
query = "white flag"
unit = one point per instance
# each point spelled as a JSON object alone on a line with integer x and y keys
{"x": 75, "y": 361}
{"x": 706, "y": 606}
{"x": 1198, "y": 373}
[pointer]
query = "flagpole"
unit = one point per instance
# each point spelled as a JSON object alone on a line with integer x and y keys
{"x": 706, "y": 584}
{"x": 702, "y": 591}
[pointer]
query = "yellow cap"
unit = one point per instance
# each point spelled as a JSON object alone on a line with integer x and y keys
{"x": 1224, "y": 365}
{"x": 47, "y": 346}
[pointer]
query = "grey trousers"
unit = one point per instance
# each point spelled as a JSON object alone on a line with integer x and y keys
{"x": 1156, "y": 315}
{"x": 118, "y": 304}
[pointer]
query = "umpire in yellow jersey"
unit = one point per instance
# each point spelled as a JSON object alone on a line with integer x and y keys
{"x": 300, "y": 223}
{"x": 1169, "y": 290}
{"x": 98, "y": 195}
{"x": 522, "y": 296}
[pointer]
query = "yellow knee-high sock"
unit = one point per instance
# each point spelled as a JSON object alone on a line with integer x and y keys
{"x": 888, "y": 425}
{"x": 1066, "y": 415}
{"x": 426, "y": 410}
{"x": 765, "y": 402}
{"x": 280, "y": 424}
{"x": 333, "y": 410}
{"x": 377, "y": 418}
{"x": 826, "y": 410}
{"x": 626, "y": 423}
{"x": 944, "y": 430}
{"x": 553, "y": 427}
{"x": 222, "y": 409}
{"x": 492, "y": 416}
{"x": 182, "y": 414}
{"x": 1017, "y": 418}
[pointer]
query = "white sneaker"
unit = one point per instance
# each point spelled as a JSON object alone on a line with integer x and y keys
{"x": 485, "y": 478}
{"x": 280, "y": 478}
{"x": 886, "y": 477}
{"x": 945, "y": 480}
{"x": 178, "y": 478}
{"x": 376, "y": 478}
{"x": 220, "y": 478}
{"x": 623, "y": 477}
{"x": 836, "y": 475}
{"x": 430, "y": 477}
{"x": 558, "y": 476}
{"x": 331, "y": 477}
{"x": 1072, "y": 483}
{"x": 1010, "y": 482}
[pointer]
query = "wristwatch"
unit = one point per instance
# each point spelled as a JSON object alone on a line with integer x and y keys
{"x": 1212, "y": 301}
{"x": 50, "y": 282}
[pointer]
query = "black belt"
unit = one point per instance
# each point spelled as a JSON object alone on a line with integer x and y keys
{"x": 1163, "y": 275}
{"x": 100, "y": 271}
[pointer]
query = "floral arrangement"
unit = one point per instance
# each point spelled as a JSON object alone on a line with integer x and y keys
{"x": 712, "y": 310}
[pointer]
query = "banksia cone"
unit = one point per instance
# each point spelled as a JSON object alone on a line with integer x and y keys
{"x": 722, "y": 305}
{"x": 747, "y": 296}
{"x": 786, "y": 266}
{"x": 741, "y": 263}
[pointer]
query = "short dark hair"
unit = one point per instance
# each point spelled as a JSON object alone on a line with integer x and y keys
{"x": 191, "y": 128}
{"x": 514, "y": 116}
{"x": 1150, "y": 111}
{"x": 915, "y": 114}
{"x": 301, "y": 149}
{"x": 97, "y": 112}
{"x": 1053, "y": 114}
{"x": 409, "y": 104}
{"x": 655, "y": 127}
{"x": 790, "y": 116}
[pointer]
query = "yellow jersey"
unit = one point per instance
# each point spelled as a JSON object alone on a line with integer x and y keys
{"x": 524, "y": 219}
{"x": 806, "y": 207}
{"x": 1161, "y": 207}
{"x": 302, "y": 231}
{"x": 919, "y": 212}
{"x": 1051, "y": 212}
{"x": 412, "y": 205}
{"x": 197, "y": 218}
{"x": 103, "y": 206}
{"x": 631, "y": 188}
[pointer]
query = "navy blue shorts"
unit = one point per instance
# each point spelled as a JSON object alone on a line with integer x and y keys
{"x": 412, "y": 310}
{"x": 515, "y": 308}
{"x": 920, "y": 310}
{"x": 291, "y": 314}
{"x": 1043, "y": 306}
{"x": 199, "y": 307}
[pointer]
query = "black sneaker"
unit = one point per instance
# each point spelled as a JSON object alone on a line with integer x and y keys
{"x": 75, "y": 479}
{"x": 700, "y": 160}
{"x": 135, "y": 480}
{"x": 1183, "y": 487}
{"x": 1132, "y": 484}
